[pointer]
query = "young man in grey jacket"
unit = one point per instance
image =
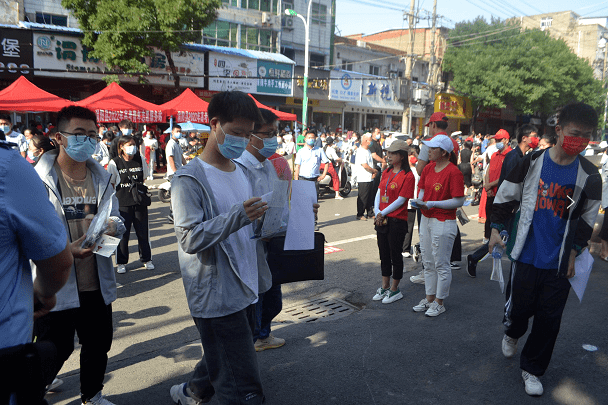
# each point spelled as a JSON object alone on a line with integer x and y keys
{"x": 77, "y": 187}
{"x": 223, "y": 268}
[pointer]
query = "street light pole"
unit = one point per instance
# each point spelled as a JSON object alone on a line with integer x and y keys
{"x": 306, "y": 22}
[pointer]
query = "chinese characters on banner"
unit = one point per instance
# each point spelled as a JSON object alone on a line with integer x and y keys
{"x": 454, "y": 106}
{"x": 344, "y": 86}
{"x": 233, "y": 72}
{"x": 15, "y": 53}
{"x": 135, "y": 116}
{"x": 184, "y": 116}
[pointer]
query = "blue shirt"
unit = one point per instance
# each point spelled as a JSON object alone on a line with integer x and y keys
{"x": 310, "y": 161}
{"x": 484, "y": 145}
{"x": 550, "y": 214}
{"x": 29, "y": 230}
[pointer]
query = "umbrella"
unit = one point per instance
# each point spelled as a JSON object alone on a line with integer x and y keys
{"x": 24, "y": 96}
{"x": 114, "y": 104}
{"x": 283, "y": 116}
{"x": 191, "y": 127}
{"x": 187, "y": 107}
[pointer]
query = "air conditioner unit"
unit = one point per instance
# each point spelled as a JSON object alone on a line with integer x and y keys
{"x": 361, "y": 44}
{"x": 288, "y": 23}
{"x": 266, "y": 18}
{"x": 392, "y": 67}
{"x": 404, "y": 93}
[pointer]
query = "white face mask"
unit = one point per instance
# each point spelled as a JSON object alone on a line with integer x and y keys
{"x": 130, "y": 150}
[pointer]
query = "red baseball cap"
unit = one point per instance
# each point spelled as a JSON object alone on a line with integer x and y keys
{"x": 469, "y": 139}
{"x": 502, "y": 134}
{"x": 436, "y": 116}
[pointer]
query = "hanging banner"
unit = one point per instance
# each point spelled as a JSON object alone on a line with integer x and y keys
{"x": 453, "y": 106}
{"x": 344, "y": 86}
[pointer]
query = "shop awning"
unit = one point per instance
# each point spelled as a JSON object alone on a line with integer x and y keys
{"x": 187, "y": 107}
{"x": 114, "y": 104}
{"x": 283, "y": 116}
{"x": 24, "y": 96}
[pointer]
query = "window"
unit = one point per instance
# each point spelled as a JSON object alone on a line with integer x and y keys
{"x": 286, "y": 21}
{"x": 265, "y": 5}
{"x": 317, "y": 60}
{"x": 374, "y": 70}
{"x": 319, "y": 14}
{"x": 220, "y": 33}
{"x": 346, "y": 65}
{"x": 265, "y": 40}
{"x": 545, "y": 23}
{"x": 290, "y": 53}
{"x": 44, "y": 18}
{"x": 233, "y": 3}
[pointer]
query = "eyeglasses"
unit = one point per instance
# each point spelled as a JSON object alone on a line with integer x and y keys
{"x": 82, "y": 137}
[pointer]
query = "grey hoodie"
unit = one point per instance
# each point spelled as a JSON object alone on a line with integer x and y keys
{"x": 67, "y": 297}
{"x": 208, "y": 263}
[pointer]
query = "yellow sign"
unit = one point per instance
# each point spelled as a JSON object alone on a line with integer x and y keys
{"x": 453, "y": 106}
{"x": 321, "y": 84}
{"x": 298, "y": 101}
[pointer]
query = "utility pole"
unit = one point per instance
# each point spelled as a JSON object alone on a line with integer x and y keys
{"x": 433, "y": 63}
{"x": 406, "y": 124}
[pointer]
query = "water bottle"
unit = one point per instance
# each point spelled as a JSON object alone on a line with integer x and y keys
{"x": 498, "y": 250}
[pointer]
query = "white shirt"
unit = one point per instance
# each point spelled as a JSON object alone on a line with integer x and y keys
{"x": 174, "y": 149}
{"x": 490, "y": 150}
{"x": 229, "y": 189}
{"x": 331, "y": 154}
{"x": 151, "y": 143}
{"x": 19, "y": 139}
{"x": 363, "y": 156}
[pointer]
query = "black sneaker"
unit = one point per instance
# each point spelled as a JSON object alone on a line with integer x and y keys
{"x": 454, "y": 266}
{"x": 471, "y": 266}
{"x": 170, "y": 217}
{"x": 417, "y": 253}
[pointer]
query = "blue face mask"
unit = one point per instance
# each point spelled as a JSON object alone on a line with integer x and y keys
{"x": 270, "y": 146}
{"x": 233, "y": 146}
{"x": 177, "y": 135}
{"x": 310, "y": 142}
{"x": 500, "y": 146}
{"x": 126, "y": 132}
{"x": 80, "y": 147}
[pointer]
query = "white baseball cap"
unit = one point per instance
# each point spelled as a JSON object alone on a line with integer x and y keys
{"x": 440, "y": 141}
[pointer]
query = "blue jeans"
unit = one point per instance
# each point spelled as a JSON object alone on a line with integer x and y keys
{"x": 229, "y": 367}
{"x": 268, "y": 306}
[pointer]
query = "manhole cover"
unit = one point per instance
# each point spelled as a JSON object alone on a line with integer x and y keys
{"x": 317, "y": 309}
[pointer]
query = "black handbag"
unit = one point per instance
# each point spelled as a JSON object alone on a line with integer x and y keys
{"x": 290, "y": 266}
{"x": 140, "y": 194}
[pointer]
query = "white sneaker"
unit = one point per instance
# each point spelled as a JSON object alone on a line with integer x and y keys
{"x": 380, "y": 294}
{"x": 121, "y": 269}
{"x": 392, "y": 296}
{"x": 339, "y": 197}
{"x": 418, "y": 279}
{"x": 52, "y": 386}
{"x": 422, "y": 306}
{"x": 533, "y": 384}
{"x": 179, "y": 396}
{"x": 150, "y": 177}
{"x": 149, "y": 265}
{"x": 98, "y": 399}
{"x": 435, "y": 309}
{"x": 509, "y": 346}
{"x": 454, "y": 266}
{"x": 406, "y": 254}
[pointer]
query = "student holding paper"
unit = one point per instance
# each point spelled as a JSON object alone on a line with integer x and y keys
{"x": 556, "y": 193}
{"x": 222, "y": 267}
{"x": 77, "y": 185}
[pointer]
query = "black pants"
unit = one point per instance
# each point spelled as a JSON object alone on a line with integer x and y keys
{"x": 229, "y": 367}
{"x": 93, "y": 323}
{"x": 487, "y": 230}
{"x": 411, "y": 219}
{"x": 390, "y": 245}
{"x": 541, "y": 294}
{"x": 138, "y": 216}
{"x": 604, "y": 230}
{"x": 457, "y": 247}
{"x": 363, "y": 199}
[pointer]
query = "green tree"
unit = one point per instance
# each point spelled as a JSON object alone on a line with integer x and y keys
{"x": 497, "y": 64}
{"x": 122, "y": 32}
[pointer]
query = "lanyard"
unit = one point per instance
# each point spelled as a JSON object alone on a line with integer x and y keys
{"x": 389, "y": 181}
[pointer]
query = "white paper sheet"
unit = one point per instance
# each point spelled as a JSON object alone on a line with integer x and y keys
{"x": 106, "y": 245}
{"x": 582, "y": 268}
{"x": 277, "y": 200}
{"x": 301, "y": 227}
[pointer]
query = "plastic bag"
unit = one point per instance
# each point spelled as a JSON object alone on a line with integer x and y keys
{"x": 99, "y": 223}
{"x": 497, "y": 274}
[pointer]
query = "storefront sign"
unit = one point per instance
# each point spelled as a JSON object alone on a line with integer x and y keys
{"x": 320, "y": 84}
{"x": 299, "y": 101}
{"x": 453, "y": 106}
{"x": 492, "y": 113}
{"x": 233, "y": 72}
{"x": 66, "y": 56}
{"x": 344, "y": 86}
{"x": 15, "y": 52}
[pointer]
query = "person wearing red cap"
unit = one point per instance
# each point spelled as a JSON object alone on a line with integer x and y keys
{"x": 527, "y": 139}
{"x": 491, "y": 186}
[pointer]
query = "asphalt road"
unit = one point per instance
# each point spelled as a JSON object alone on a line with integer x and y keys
{"x": 378, "y": 354}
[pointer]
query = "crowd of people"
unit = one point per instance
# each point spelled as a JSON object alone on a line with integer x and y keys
{"x": 540, "y": 189}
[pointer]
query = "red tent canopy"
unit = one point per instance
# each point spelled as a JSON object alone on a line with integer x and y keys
{"x": 283, "y": 116}
{"x": 114, "y": 104}
{"x": 187, "y": 107}
{"x": 24, "y": 96}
